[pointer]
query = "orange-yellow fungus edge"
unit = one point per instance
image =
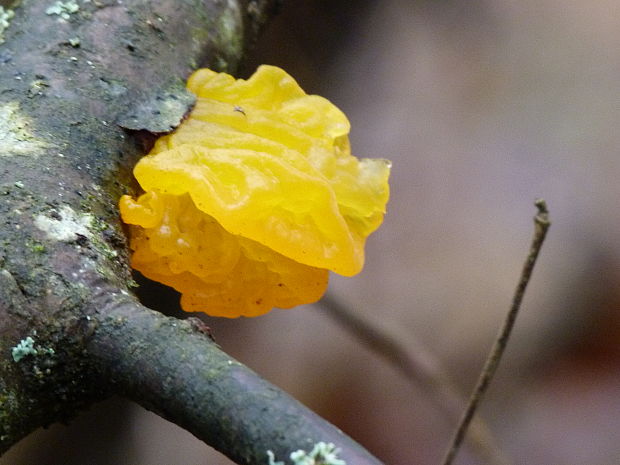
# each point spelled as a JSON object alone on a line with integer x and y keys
{"x": 253, "y": 198}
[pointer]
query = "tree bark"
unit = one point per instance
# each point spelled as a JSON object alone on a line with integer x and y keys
{"x": 80, "y": 94}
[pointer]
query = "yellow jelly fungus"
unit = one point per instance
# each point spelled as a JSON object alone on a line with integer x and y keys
{"x": 254, "y": 197}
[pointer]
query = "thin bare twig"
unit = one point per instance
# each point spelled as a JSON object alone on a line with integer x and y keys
{"x": 541, "y": 223}
{"x": 419, "y": 366}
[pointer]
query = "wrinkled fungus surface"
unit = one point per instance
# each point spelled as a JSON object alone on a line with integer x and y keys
{"x": 254, "y": 197}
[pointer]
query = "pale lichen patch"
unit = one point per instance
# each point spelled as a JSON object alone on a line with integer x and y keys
{"x": 15, "y": 139}
{"x": 321, "y": 454}
{"x": 230, "y": 31}
{"x": 63, "y": 9}
{"x": 5, "y": 20}
{"x": 65, "y": 225}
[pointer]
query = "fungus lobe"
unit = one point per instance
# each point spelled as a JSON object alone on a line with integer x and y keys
{"x": 253, "y": 198}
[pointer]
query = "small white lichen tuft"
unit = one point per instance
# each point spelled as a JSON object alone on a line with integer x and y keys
{"x": 5, "y": 20}
{"x": 63, "y": 9}
{"x": 65, "y": 225}
{"x": 272, "y": 459}
{"x": 23, "y": 349}
{"x": 15, "y": 139}
{"x": 321, "y": 454}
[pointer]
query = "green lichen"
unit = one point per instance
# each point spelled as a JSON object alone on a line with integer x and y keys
{"x": 97, "y": 241}
{"x": 24, "y": 348}
{"x": 37, "y": 247}
{"x": 321, "y": 454}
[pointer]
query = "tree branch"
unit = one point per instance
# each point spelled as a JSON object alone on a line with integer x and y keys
{"x": 541, "y": 226}
{"x": 419, "y": 366}
{"x": 77, "y": 93}
{"x": 171, "y": 367}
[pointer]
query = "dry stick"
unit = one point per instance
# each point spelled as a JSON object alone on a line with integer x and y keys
{"x": 541, "y": 225}
{"x": 419, "y": 366}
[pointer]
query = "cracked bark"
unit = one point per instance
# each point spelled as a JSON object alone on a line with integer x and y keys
{"x": 77, "y": 95}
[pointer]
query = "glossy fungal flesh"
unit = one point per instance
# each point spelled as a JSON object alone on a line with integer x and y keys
{"x": 253, "y": 198}
{"x": 216, "y": 271}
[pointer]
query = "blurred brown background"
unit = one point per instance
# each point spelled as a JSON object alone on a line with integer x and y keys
{"x": 482, "y": 106}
